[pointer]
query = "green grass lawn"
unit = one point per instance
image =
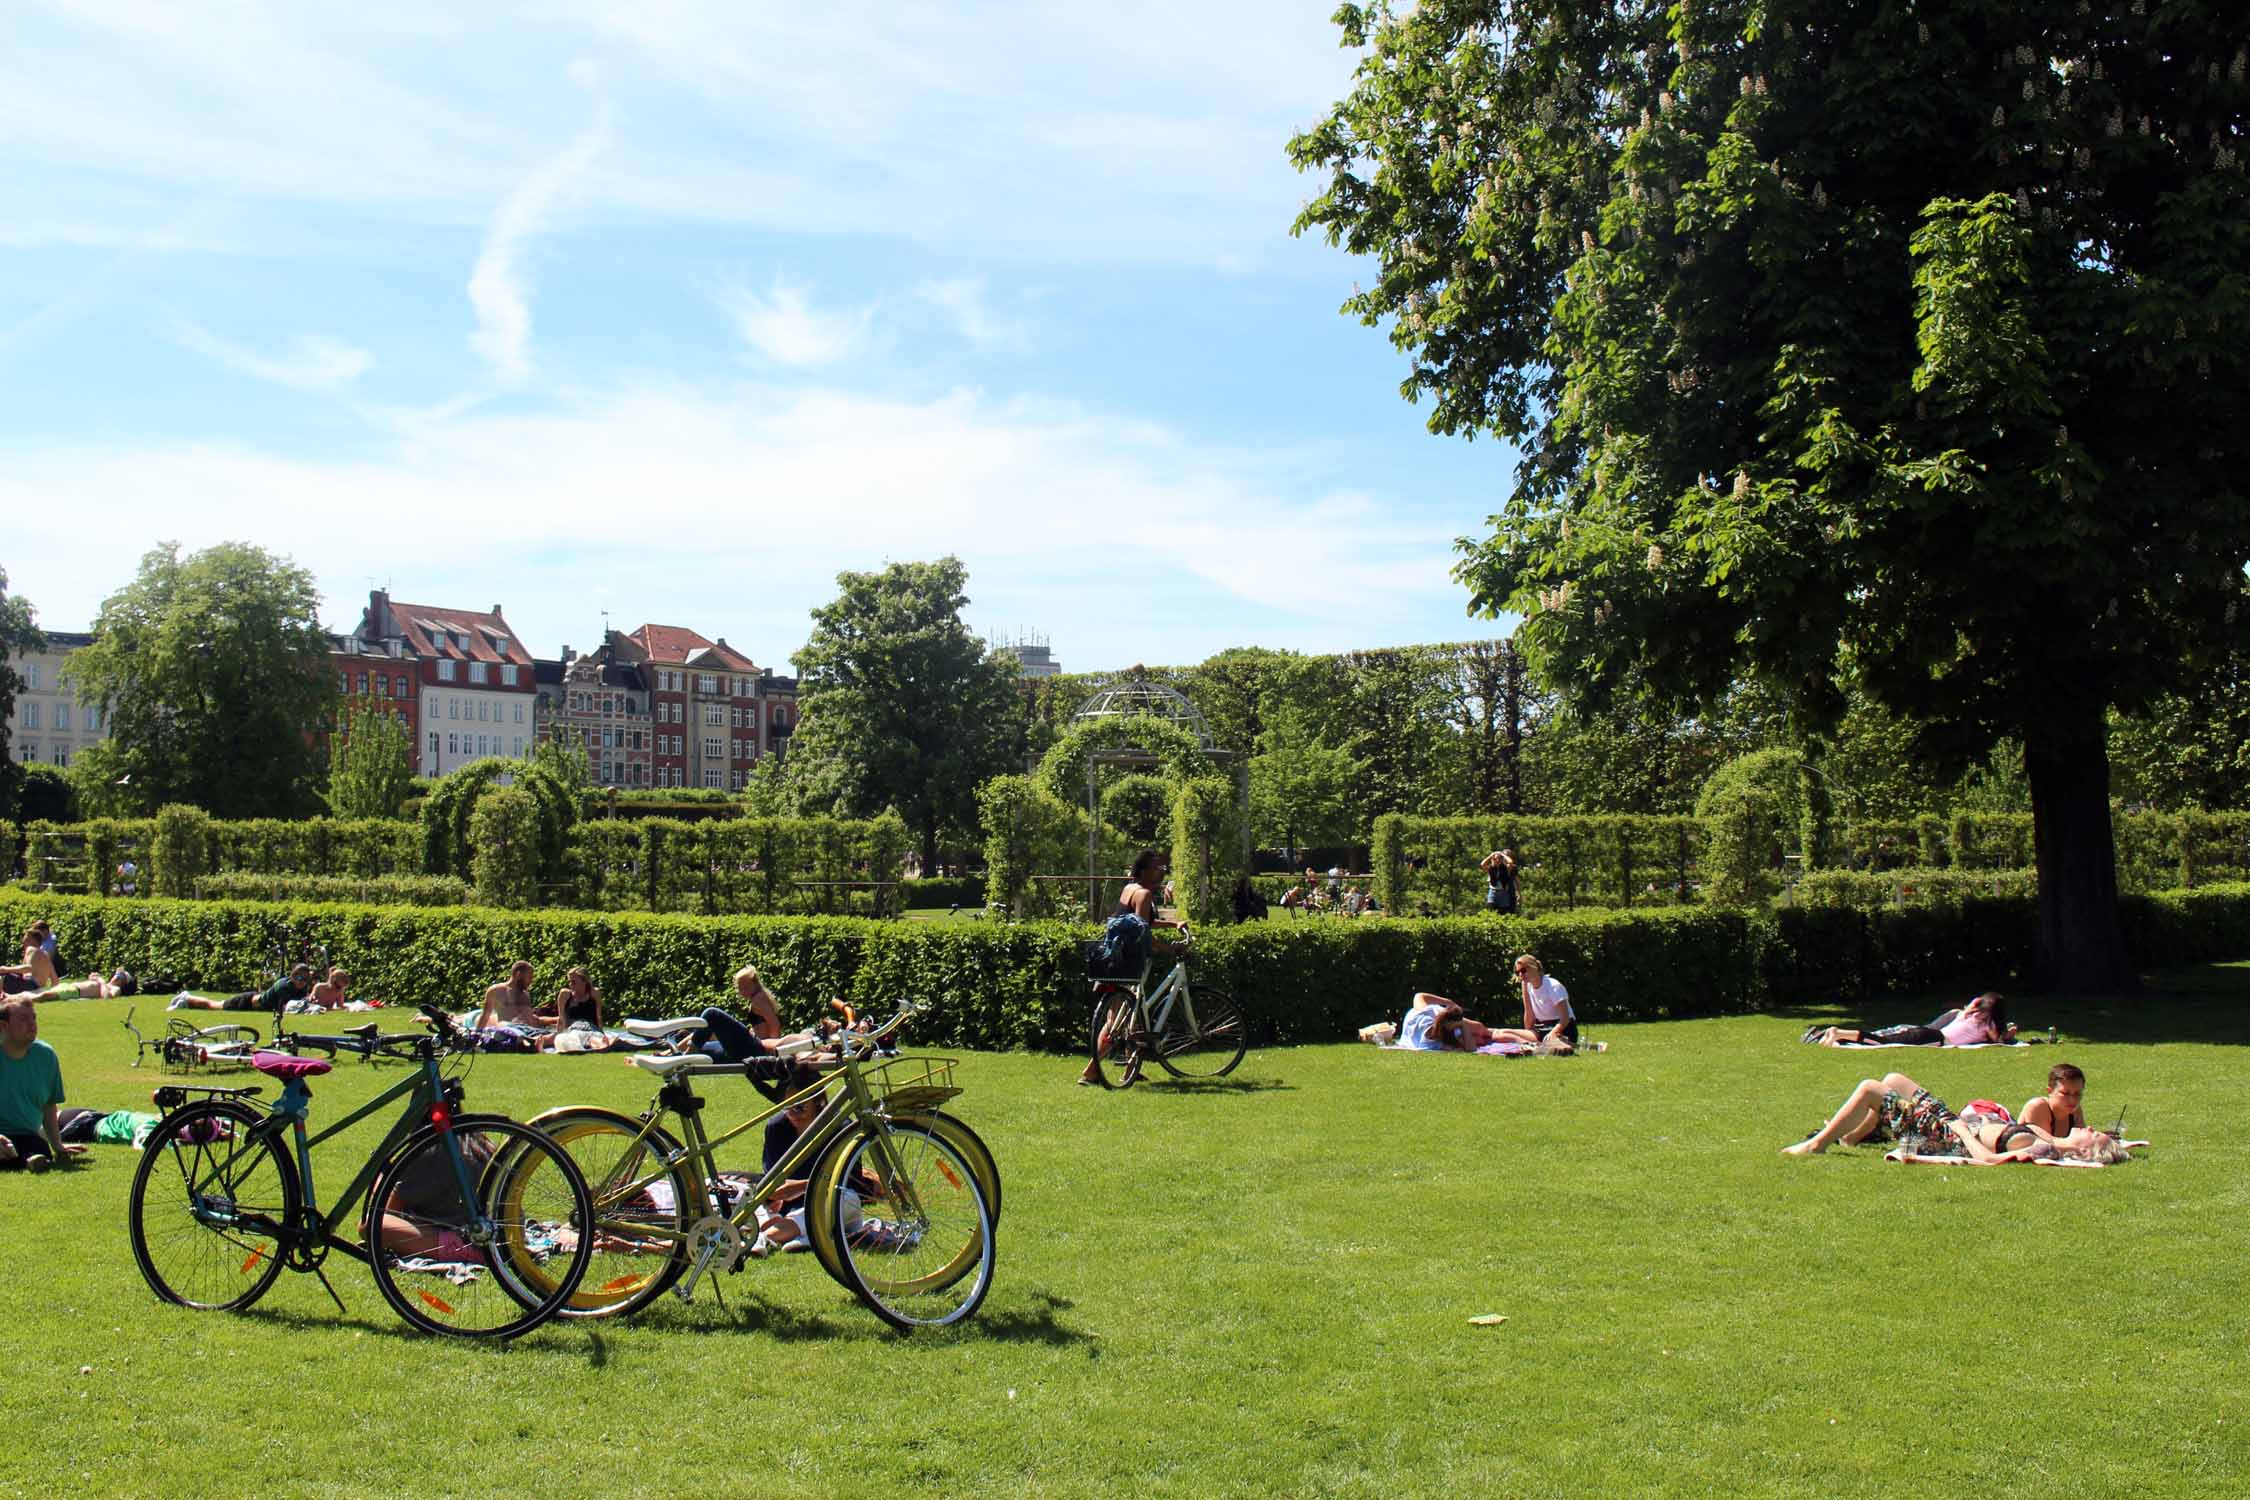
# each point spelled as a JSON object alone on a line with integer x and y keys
{"x": 1264, "y": 1288}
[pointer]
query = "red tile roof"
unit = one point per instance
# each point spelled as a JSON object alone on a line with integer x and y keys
{"x": 462, "y": 634}
{"x": 676, "y": 645}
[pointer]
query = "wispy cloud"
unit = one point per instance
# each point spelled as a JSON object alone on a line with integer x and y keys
{"x": 810, "y": 480}
{"x": 963, "y": 299}
{"x": 313, "y": 363}
{"x": 785, "y": 327}
{"x": 498, "y": 289}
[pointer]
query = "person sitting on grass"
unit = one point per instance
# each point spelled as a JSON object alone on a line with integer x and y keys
{"x": 1298, "y": 898}
{"x": 2059, "y": 1115}
{"x": 1548, "y": 1021}
{"x": 577, "y": 1003}
{"x": 93, "y": 987}
{"x": 330, "y": 994}
{"x": 31, "y": 1093}
{"x": 781, "y": 1217}
{"x": 1982, "y": 1020}
{"x": 763, "y": 1005}
{"x": 36, "y": 972}
{"x": 297, "y": 984}
{"x": 509, "y": 1021}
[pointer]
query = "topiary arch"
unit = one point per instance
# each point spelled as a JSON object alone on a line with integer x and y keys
{"x": 446, "y": 813}
{"x": 1062, "y": 775}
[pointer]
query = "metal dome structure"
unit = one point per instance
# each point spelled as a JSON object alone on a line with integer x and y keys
{"x": 1131, "y": 693}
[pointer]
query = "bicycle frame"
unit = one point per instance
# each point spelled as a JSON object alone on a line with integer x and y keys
{"x": 1150, "y": 1009}
{"x": 428, "y": 1088}
{"x": 854, "y": 1104}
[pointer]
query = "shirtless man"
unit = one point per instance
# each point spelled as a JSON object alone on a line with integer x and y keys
{"x": 329, "y": 993}
{"x": 508, "y": 1006}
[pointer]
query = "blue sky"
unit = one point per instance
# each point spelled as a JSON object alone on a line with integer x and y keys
{"x": 676, "y": 308}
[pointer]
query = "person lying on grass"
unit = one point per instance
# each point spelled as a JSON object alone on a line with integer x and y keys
{"x": 1983, "y": 1020}
{"x": 297, "y": 984}
{"x": 1436, "y": 1024}
{"x": 1895, "y": 1107}
{"x": 31, "y": 1093}
{"x": 92, "y": 987}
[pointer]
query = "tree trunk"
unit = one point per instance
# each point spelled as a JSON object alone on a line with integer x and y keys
{"x": 2081, "y": 942}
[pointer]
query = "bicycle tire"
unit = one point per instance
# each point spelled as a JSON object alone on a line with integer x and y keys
{"x": 419, "y": 1235}
{"x": 827, "y": 1177}
{"x": 208, "y": 1210}
{"x": 611, "y": 1151}
{"x": 1112, "y": 1013}
{"x": 1212, "y": 1046}
{"x": 922, "y": 1253}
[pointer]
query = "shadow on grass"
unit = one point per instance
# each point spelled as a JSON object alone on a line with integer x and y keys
{"x": 1170, "y": 1085}
{"x": 1024, "y": 1319}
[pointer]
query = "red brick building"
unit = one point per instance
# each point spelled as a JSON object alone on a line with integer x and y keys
{"x": 713, "y": 710}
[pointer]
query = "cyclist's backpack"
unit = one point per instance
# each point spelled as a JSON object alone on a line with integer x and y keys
{"x": 1122, "y": 952}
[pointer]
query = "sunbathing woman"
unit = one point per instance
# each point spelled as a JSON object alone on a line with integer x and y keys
{"x": 1984, "y": 1019}
{"x": 1895, "y": 1107}
{"x": 92, "y": 987}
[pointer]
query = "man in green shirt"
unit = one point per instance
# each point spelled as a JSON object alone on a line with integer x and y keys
{"x": 31, "y": 1090}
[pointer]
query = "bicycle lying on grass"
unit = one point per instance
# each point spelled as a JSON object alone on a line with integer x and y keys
{"x": 473, "y": 1225}
{"x": 900, "y": 1199}
{"x": 1192, "y": 1031}
{"x": 184, "y": 1046}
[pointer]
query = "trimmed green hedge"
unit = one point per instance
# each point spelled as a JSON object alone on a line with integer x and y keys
{"x": 1911, "y": 887}
{"x": 1616, "y": 860}
{"x": 997, "y": 984}
{"x": 374, "y": 890}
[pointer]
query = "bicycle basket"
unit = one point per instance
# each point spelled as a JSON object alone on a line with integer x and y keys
{"x": 909, "y": 1085}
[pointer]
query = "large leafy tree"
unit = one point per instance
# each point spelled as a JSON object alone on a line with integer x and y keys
{"x": 1861, "y": 343}
{"x": 212, "y": 670}
{"x": 19, "y": 634}
{"x": 371, "y": 763}
{"x": 903, "y": 705}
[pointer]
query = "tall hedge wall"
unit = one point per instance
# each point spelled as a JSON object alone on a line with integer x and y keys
{"x": 997, "y": 984}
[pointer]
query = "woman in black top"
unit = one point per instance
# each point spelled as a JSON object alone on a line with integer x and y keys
{"x": 578, "y": 1001}
{"x": 1500, "y": 880}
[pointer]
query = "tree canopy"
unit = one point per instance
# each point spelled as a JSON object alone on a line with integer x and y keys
{"x": 211, "y": 670}
{"x": 370, "y": 763}
{"x": 1879, "y": 345}
{"x": 902, "y": 706}
{"x": 19, "y": 634}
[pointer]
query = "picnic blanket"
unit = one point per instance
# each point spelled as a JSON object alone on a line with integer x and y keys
{"x": 1924, "y": 1046}
{"x": 1923, "y": 1159}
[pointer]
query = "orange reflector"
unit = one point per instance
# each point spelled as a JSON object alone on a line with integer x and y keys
{"x": 437, "y": 1302}
{"x": 624, "y": 1284}
{"x": 949, "y": 1177}
{"x": 255, "y": 1256}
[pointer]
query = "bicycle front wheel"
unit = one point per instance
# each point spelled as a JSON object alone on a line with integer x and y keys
{"x": 479, "y": 1231}
{"x": 914, "y": 1232}
{"x": 642, "y": 1208}
{"x": 211, "y": 1204}
{"x": 1203, "y": 1036}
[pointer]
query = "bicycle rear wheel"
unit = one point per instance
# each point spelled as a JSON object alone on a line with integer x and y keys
{"x": 210, "y": 1206}
{"x": 915, "y": 1238}
{"x": 1116, "y": 1059}
{"x": 1204, "y": 1035}
{"x": 495, "y": 1260}
{"x": 642, "y": 1208}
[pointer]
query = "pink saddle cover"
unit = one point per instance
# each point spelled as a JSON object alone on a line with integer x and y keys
{"x": 282, "y": 1065}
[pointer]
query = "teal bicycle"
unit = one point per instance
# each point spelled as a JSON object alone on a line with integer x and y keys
{"x": 473, "y": 1225}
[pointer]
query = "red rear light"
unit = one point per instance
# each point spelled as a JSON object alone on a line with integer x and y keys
{"x": 441, "y": 1115}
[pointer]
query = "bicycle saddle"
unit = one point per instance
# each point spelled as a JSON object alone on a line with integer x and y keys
{"x": 663, "y": 1028}
{"x": 685, "y": 1062}
{"x": 281, "y": 1065}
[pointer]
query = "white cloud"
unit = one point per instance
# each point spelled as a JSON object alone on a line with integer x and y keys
{"x": 497, "y": 288}
{"x": 786, "y": 328}
{"x": 963, "y": 299}
{"x": 734, "y": 508}
{"x": 313, "y": 363}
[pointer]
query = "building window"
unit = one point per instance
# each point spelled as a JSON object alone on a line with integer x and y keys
{"x": 62, "y": 717}
{"x": 452, "y": 742}
{"x": 30, "y": 751}
{"x": 433, "y": 744}
{"x": 507, "y": 674}
{"x": 31, "y": 676}
{"x": 94, "y": 718}
{"x": 483, "y": 712}
{"x": 518, "y": 751}
{"x": 401, "y": 684}
{"x": 62, "y": 755}
{"x": 713, "y": 716}
{"x": 444, "y": 670}
{"x": 30, "y": 720}
{"x": 476, "y": 671}
{"x": 711, "y": 750}
{"x": 519, "y": 713}
{"x": 363, "y": 684}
